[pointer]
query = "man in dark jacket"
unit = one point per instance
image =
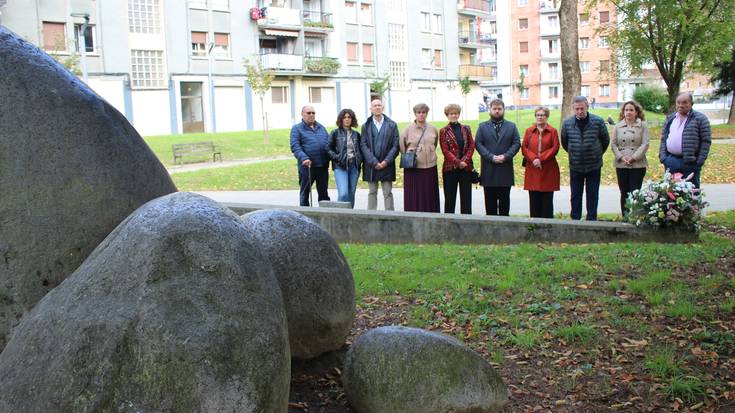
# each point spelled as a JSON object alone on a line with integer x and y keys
{"x": 584, "y": 136}
{"x": 308, "y": 144}
{"x": 497, "y": 141}
{"x": 379, "y": 147}
{"x": 685, "y": 139}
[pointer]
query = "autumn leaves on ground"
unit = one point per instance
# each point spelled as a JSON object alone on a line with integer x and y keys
{"x": 572, "y": 328}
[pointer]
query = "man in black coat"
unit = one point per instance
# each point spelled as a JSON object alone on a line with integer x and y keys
{"x": 497, "y": 141}
{"x": 379, "y": 146}
{"x": 584, "y": 136}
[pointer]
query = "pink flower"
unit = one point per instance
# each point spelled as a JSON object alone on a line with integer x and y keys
{"x": 671, "y": 196}
{"x": 678, "y": 176}
{"x": 690, "y": 176}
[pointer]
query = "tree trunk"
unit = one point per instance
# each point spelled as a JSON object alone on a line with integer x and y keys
{"x": 672, "y": 90}
{"x": 731, "y": 118}
{"x": 571, "y": 75}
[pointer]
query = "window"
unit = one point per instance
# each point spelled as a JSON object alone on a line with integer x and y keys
{"x": 584, "y": 66}
{"x": 438, "y": 58}
{"x": 522, "y": 24}
{"x": 88, "y": 38}
{"x": 221, "y": 5}
{"x": 367, "y": 54}
{"x": 604, "y": 90}
{"x": 553, "y": 46}
{"x": 198, "y": 4}
{"x": 279, "y": 94}
{"x": 523, "y": 47}
{"x": 396, "y": 37}
{"x": 493, "y": 28}
{"x": 523, "y": 2}
{"x": 554, "y": 71}
{"x": 54, "y": 36}
{"x": 222, "y": 45}
{"x": 604, "y": 65}
{"x": 425, "y": 22}
{"x": 350, "y": 12}
{"x": 584, "y": 90}
{"x": 602, "y": 42}
{"x": 523, "y": 70}
{"x": 366, "y": 14}
{"x": 146, "y": 68}
{"x": 438, "y": 23}
{"x": 584, "y": 19}
{"x": 321, "y": 95}
{"x": 426, "y": 58}
{"x": 493, "y": 72}
{"x": 144, "y": 16}
{"x": 198, "y": 43}
{"x": 584, "y": 42}
{"x": 352, "y": 52}
{"x": 553, "y": 92}
{"x": 398, "y": 74}
{"x": 604, "y": 16}
{"x": 554, "y": 22}
{"x": 524, "y": 93}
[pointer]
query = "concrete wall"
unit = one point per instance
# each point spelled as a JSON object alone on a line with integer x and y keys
{"x": 383, "y": 227}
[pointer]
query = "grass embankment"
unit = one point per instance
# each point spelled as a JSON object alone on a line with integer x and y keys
{"x": 591, "y": 327}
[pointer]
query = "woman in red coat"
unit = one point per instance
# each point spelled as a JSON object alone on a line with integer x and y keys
{"x": 542, "y": 171}
{"x": 457, "y": 146}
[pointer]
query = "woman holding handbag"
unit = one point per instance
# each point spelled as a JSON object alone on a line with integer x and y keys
{"x": 457, "y": 146}
{"x": 540, "y": 146}
{"x": 343, "y": 148}
{"x": 420, "y": 177}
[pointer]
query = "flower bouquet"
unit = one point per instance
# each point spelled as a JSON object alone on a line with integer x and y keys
{"x": 672, "y": 202}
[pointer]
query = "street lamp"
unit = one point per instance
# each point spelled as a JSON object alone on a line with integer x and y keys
{"x": 83, "y": 42}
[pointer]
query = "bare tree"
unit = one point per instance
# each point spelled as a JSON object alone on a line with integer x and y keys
{"x": 571, "y": 75}
{"x": 260, "y": 81}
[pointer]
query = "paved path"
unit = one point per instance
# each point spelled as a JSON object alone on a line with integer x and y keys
{"x": 720, "y": 196}
{"x": 224, "y": 164}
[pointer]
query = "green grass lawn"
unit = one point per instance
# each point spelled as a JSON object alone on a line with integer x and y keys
{"x": 653, "y": 316}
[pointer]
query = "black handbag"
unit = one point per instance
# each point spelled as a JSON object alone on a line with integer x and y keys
{"x": 475, "y": 177}
{"x": 408, "y": 159}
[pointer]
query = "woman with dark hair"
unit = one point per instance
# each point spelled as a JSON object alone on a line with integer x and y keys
{"x": 540, "y": 146}
{"x": 421, "y": 183}
{"x": 629, "y": 144}
{"x": 457, "y": 146}
{"x": 343, "y": 148}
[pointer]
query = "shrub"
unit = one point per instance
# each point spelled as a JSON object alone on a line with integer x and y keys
{"x": 652, "y": 98}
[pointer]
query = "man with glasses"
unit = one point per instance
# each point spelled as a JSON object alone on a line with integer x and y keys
{"x": 308, "y": 144}
{"x": 379, "y": 146}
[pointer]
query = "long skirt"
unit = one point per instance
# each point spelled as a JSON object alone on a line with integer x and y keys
{"x": 421, "y": 190}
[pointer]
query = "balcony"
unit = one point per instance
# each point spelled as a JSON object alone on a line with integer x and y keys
{"x": 475, "y": 40}
{"x": 317, "y": 22}
{"x": 549, "y": 6}
{"x": 281, "y": 18}
{"x": 476, "y": 72}
{"x": 282, "y": 62}
{"x": 475, "y": 7}
{"x": 321, "y": 65}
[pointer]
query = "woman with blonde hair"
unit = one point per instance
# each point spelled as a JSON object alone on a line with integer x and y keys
{"x": 540, "y": 146}
{"x": 629, "y": 144}
{"x": 457, "y": 146}
{"x": 420, "y": 182}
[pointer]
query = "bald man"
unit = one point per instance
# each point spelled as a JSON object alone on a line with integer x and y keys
{"x": 308, "y": 144}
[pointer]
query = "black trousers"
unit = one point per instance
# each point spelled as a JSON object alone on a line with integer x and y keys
{"x": 452, "y": 179}
{"x": 629, "y": 179}
{"x": 320, "y": 174}
{"x": 541, "y": 204}
{"x": 497, "y": 200}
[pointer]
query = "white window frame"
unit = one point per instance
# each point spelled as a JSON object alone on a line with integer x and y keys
{"x": 198, "y": 4}
{"x": 322, "y": 89}
{"x": 366, "y": 17}
{"x": 584, "y": 22}
{"x": 425, "y": 22}
{"x": 196, "y": 51}
{"x": 525, "y": 93}
{"x": 555, "y": 20}
{"x": 283, "y": 92}
{"x": 350, "y": 12}
{"x": 438, "y": 23}
{"x": 585, "y": 90}
{"x": 147, "y": 70}
{"x": 223, "y": 52}
{"x": 220, "y": 5}
{"x": 398, "y": 74}
{"x": 584, "y": 66}
{"x": 144, "y": 16}
{"x": 522, "y": 3}
{"x": 602, "y": 42}
{"x": 584, "y": 43}
{"x": 519, "y": 23}
{"x": 605, "y": 90}
{"x": 77, "y": 39}
{"x": 554, "y": 95}
{"x": 426, "y": 57}
{"x": 523, "y": 70}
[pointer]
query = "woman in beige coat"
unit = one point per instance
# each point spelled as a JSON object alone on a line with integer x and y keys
{"x": 421, "y": 184}
{"x": 629, "y": 144}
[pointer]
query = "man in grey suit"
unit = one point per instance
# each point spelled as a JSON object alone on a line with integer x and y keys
{"x": 497, "y": 141}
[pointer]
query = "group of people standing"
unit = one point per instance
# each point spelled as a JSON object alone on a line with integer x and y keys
{"x": 374, "y": 150}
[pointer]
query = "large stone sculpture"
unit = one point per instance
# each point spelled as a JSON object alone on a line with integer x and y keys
{"x": 71, "y": 169}
{"x": 176, "y": 311}
{"x": 315, "y": 279}
{"x": 408, "y": 370}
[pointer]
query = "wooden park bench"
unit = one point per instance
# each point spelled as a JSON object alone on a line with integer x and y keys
{"x": 195, "y": 149}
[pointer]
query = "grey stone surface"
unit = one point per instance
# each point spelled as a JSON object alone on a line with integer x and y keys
{"x": 71, "y": 169}
{"x": 409, "y": 370}
{"x": 315, "y": 278}
{"x": 360, "y": 226}
{"x": 176, "y": 311}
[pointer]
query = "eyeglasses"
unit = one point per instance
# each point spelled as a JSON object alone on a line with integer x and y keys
{"x": 543, "y": 115}
{"x": 310, "y": 113}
